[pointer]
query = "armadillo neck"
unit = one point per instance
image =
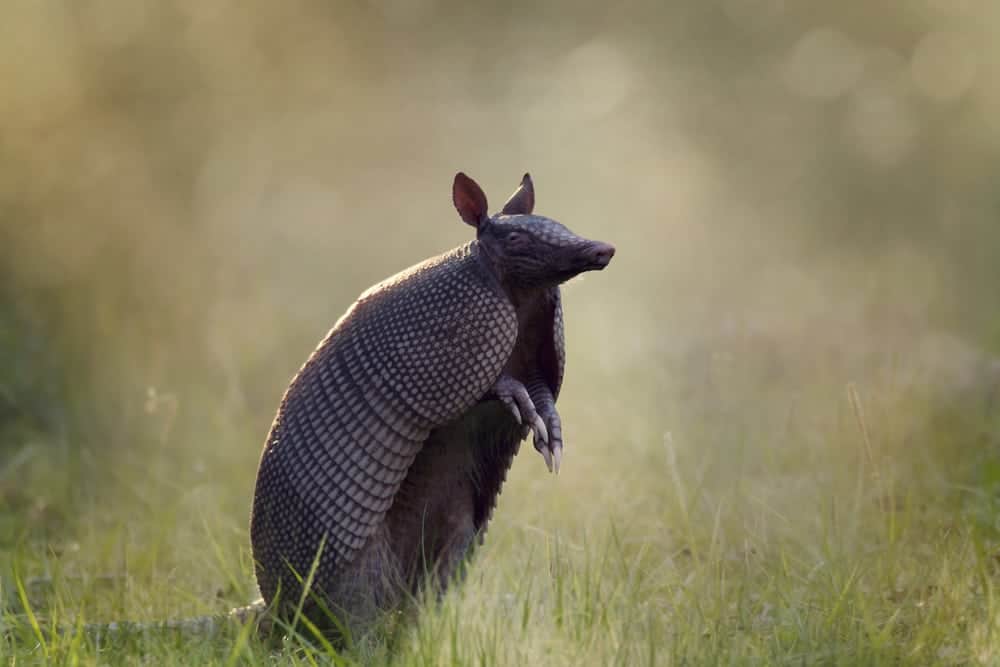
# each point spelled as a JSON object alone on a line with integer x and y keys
{"x": 525, "y": 299}
{"x": 489, "y": 267}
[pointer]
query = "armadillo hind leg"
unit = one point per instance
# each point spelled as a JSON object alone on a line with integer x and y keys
{"x": 431, "y": 520}
{"x": 348, "y": 597}
{"x": 365, "y": 590}
{"x": 451, "y": 566}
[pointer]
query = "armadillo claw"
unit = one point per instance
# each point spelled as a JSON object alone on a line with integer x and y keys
{"x": 548, "y": 440}
{"x": 551, "y": 454}
{"x": 512, "y": 406}
{"x": 541, "y": 432}
{"x": 547, "y": 455}
{"x": 542, "y": 443}
{"x": 517, "y": 401}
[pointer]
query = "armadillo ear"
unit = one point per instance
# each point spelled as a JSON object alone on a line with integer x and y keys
{"x": 470, "y": 200}
{"x": 522, "y": 202}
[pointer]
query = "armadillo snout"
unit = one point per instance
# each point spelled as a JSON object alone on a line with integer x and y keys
{"x": 599, "y": 254}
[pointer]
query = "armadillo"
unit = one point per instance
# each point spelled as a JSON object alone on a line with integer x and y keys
{"x": 383, "y": 464}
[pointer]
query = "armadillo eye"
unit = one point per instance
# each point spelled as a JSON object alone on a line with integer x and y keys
{"x": 513, "y": 236}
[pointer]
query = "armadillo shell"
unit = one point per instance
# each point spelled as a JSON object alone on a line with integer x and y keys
{"x": 414, "y": 352}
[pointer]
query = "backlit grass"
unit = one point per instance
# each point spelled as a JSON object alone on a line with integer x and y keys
{"x": 848, "y": 523}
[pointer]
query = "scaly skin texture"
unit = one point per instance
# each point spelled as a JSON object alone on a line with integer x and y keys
{"x": 390, "y": 446}
{"x": 356, "y": 416}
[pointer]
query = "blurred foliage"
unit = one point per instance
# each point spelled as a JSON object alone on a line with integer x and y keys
{"x": 186, "y": 172}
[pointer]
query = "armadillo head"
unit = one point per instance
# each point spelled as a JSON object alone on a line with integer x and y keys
{"x": 526, "y": 250}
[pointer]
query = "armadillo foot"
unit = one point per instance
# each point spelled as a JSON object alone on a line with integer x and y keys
{"x": 546, "y": 425}
{"x": 548, "y": 439}
{"x": 514, "y": 395}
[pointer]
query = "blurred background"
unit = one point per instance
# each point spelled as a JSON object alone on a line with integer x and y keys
{"x": 803, "y": 195}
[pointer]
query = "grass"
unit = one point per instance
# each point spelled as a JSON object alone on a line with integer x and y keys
{"x": 726, "y": 521}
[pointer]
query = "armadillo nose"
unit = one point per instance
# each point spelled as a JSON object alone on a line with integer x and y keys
{"x": 601, "y": 254}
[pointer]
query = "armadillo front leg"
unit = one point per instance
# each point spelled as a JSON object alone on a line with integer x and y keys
{"x": 535, "y": 409}
{"x": 514, "y": 395}
{"x": 551, "y": 447}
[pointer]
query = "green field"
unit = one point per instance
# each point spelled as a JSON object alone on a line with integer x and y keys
{"x": 782, "y": 400}
{"x": 852, "y": 526}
